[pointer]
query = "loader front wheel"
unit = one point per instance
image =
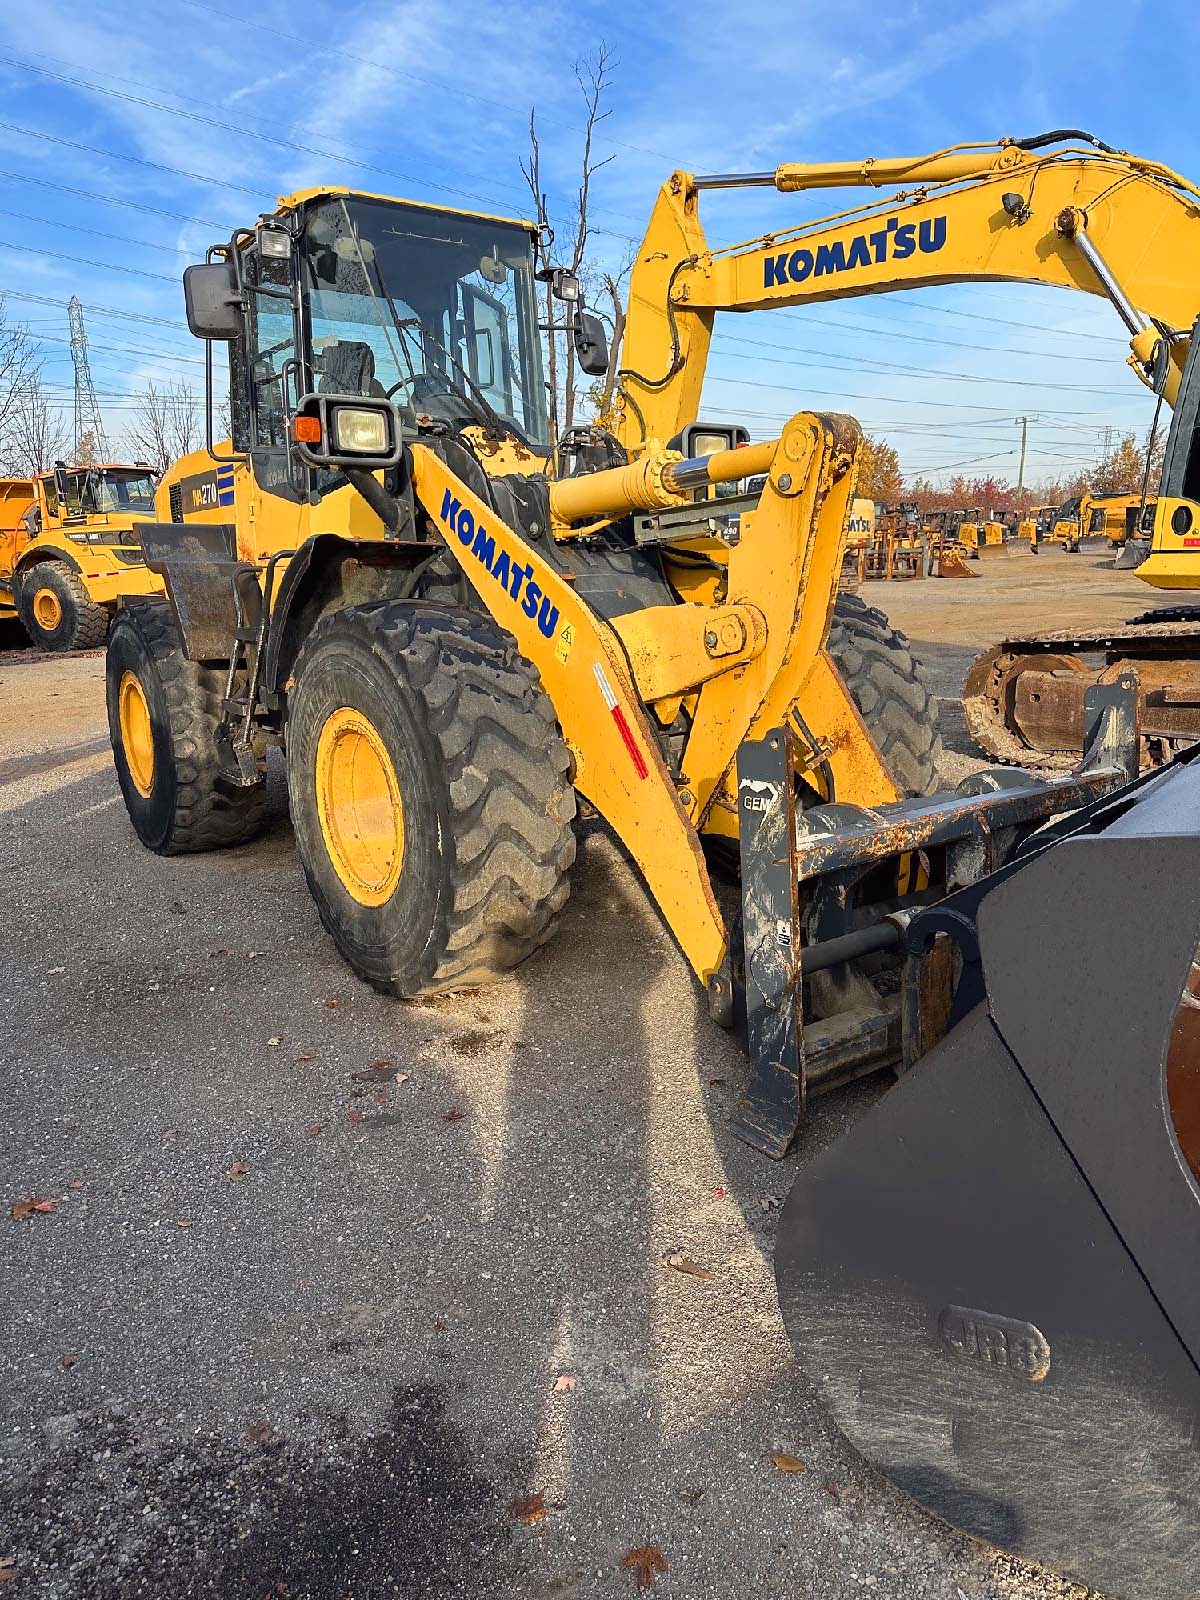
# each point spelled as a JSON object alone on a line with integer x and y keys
{"x": 431, "y": 795}
{"x": 56, "y": 610}
{"x": 163, "y": 712}
{"x": 888, "y": 685}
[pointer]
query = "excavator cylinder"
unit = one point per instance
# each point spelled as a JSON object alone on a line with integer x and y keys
{"x": 945, "y": 166}
{"x": 992, "y": 1277}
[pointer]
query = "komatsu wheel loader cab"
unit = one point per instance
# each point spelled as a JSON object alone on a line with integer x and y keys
{"x": 386, "y": 574}
{"x": 70, "y": 549}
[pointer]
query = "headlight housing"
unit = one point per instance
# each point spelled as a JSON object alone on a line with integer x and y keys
{"x": 358, "y": 431}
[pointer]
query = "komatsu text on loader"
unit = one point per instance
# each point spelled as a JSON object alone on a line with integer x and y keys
{"x": 69, "y": 550}
{"x": 387, "y": 573}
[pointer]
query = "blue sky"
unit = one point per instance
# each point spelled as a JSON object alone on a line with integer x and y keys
{"x": 151, "y": 130}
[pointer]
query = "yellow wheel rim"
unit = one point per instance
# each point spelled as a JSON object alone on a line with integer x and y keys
{"x": 359, "y": 807}
{"x": 137, "y": 736}
{"x": 47, "y": 609}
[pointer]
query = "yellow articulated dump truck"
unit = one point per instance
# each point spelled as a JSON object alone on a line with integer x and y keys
{"x": 69, "y": 550}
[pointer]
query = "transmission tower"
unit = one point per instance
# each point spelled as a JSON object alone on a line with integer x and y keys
{"x": 87, "y": 407}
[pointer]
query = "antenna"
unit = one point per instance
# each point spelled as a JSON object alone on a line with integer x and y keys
{"x": 87, "y": 407}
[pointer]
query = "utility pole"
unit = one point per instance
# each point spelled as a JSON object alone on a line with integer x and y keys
{"x": 87, "y": 406}
{"x": 1024, "y": 422}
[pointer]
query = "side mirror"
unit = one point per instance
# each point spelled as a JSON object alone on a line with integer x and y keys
{"x": 212, "y": 301}
{"x": 347, "y": 430}
{"x": 591, "y": 344}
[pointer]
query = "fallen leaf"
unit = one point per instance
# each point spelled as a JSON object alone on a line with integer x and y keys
{"x": 455, "y": 1114}
{"x": 381, "y": 1097}
{"x": 678, "y": 1262}
{"x": 440, "y": 1324}
{"x": 259, "y": 1432}
{"x": 831, "y": 1488}
{"x": 44, "y": 1205}
{"x": 239, "y": 1169}
{"x": 354, "y": 1116}
{"x": 565, "y": 1383}
{"x": 645, "y": 1562}
{"x": 719, "y": 1192}
{"x": 22, "y": 1210}
{"x": 402, "y": 1077}
{"x": 75, "y": 1183}
{"x": 528, "y": 1508}
{"x": 8, "y": 1568}
{"x": 713, "y": 1081}
{"x": 183, "y": 1222}
{"x": 304, "y": 1057}
{"x": 787, "y": 1463}
{"x": 276, "y": 1040}
{"x": 314, "y": 1129}
{"x": 385, "y": 1064}
{"x": 67, "y": 1361}
{"x": 332, "y": 1003}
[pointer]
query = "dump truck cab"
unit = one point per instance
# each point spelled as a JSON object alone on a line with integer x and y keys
{"x": 70, "y": 549}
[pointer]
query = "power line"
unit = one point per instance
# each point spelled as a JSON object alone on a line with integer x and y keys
{"x": 85, "y": 261}
{"x": 242, "y": 132}
{"x": 137, "y": 161}
{"x": 110, "y": 199}
{"x": 77, "y": 227}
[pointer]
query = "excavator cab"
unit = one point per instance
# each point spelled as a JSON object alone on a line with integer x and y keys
{"x": 1173, "y": 561}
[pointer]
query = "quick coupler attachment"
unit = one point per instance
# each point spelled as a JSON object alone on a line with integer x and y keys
{"x": 813, "y": 1018}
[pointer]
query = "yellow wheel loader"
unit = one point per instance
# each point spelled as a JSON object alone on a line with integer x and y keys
{"x": 69, "y": 550}
{"x": 387, "y": 574}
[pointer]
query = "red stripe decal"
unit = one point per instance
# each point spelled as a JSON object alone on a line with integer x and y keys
{"x": 635, "y": 755}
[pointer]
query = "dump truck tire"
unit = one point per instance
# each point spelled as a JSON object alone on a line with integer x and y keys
{"x": 891, "y": 691}
{"x": 431, "y": 795}
{"x": 163, "y": 712}
{"x": 56, "y": 610}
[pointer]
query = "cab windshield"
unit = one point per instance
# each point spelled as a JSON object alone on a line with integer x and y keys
{"x": 109, "y": 489}
{"x": 433, "y": 310}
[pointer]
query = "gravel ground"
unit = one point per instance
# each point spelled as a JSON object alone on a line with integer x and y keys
{"x": 342, "y": 1297}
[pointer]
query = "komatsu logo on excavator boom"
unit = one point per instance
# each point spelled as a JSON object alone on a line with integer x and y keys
{"x": 895, "y": 241}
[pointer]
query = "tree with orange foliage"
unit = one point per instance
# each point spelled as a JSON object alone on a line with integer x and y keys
{"x": 879, "y": 472}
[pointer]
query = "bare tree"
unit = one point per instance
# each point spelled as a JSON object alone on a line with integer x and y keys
{"x": 594, "y": 76}
{"x": 19, "y": 368}
{"x": 165, "y": 425}
{"x": 38, "y": 434}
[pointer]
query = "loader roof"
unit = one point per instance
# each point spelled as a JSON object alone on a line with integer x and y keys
{"x": 291, "y": 202}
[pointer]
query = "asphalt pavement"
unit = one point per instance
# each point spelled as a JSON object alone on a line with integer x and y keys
{"x": 329, "y": 1296}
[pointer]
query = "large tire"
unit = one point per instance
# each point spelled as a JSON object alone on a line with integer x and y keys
{"x": 431, "y": 795}
{"x": 56, "y": 610}
{"x": 889, "y": 687}
{"x": 167, "y": 708}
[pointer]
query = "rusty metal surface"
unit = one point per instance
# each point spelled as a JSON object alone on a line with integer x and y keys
{"x": 198, "y": 562}
{"x": 1020, "y": 700}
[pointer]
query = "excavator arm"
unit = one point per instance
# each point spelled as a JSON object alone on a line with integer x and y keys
{"x": 1075, "y": 216}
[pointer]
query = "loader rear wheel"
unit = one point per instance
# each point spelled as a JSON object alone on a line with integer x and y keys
{"x": 163, "y": 712}
{"x": 431, "y": 795}
{"x": 56, "y": 610}
{"x": 891, "y": 691}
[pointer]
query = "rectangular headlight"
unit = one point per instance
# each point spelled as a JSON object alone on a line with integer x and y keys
{"x": 363, "y": 433}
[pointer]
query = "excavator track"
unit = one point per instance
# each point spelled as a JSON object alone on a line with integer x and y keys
{"x": 1023, "y": 699}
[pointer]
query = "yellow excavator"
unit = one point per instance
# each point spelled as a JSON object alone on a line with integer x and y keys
{"x": 1063, "y": 209}
{"x": 450, "y": 633}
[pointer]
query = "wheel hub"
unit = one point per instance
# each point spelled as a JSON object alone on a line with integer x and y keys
{"x": 359, "y": 806}
{"x": 47, "y": 609}
{"x": 137, "y": 736}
